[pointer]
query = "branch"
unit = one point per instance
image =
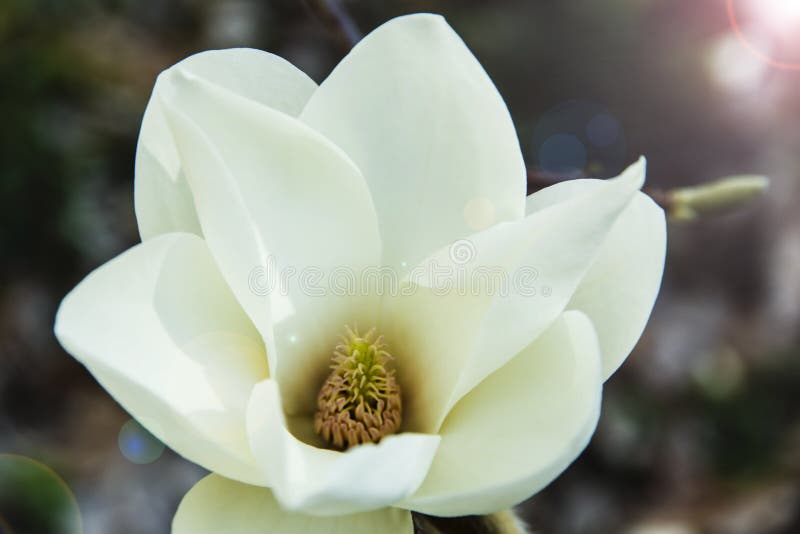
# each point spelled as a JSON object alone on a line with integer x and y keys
{"x": 503, "y": 522}
{"x": 726, "y": 194}
{"x": 689, "y": 203}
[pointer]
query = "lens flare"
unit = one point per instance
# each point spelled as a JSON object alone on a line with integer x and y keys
{"x": 138, "y": 445}
{"x": 563, "y": 155}
{"x": 778, "y": 19}
{"x": 578, "y": 138}
{"x": 735, "y": 72}
{"x": 781, "y": 15}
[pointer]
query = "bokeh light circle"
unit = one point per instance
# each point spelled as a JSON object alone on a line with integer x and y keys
{"x": 603, "y": 130}
{"x": 563, "y": 154}
{"x": 578, "y": 138}
{"x": 33, "y": 498}
{"x": 737, "y": 29}
{"x": 138, "y": 445}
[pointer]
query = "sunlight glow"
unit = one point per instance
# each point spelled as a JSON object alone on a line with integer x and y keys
{"x": 770, "y": 29}
{"x": 731, "y": 69}
{"x": 780, "y": 15}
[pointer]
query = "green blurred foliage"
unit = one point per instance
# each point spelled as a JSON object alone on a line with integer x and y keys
{"x": 34, "y": 500}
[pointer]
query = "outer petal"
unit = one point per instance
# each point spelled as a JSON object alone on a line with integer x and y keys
{"x": 422, "y": 120}
{"x": 620, "y": 288}
{"x": 543, "y": 258}
{"x": 274, "y": 195}
{"x": 159, "y": 328}
{"x": 163, "y": 200}
{"x": 520, "y": 428}
{"x": 325, "y": 482}
{"x": 216, "y": 505}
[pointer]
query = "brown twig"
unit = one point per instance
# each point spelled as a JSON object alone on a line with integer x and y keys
{"x": 504, "y": 522}
{"x": 338, "y": 21}
{"x": 661, "y": 197}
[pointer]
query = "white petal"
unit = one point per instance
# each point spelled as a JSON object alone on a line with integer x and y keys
{"x": 422, "y": 120}
{"x": 429, "y": 333}
{"x": 273, "y": 194}
{"x": 216, "y": 505}
{"x": 543, "y": 258}
{"x": 163, "y": 201}
{"x": 520, "y": 428}
{"x": 620, "y": 288}
{"x": 159, "y": 328}
{"x": 325, "y": 482}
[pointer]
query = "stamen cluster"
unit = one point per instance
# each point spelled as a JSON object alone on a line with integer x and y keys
{"x": 360, "y": 400}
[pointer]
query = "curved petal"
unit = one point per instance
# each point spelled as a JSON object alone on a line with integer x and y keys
{"x": 275, "y": 198}
{"x": 429, "y": 332}
{"x": 160, "y": 330}
{"x": 216, "y": 505}
{"x": 520, "y": 428}
{"x": 162, "y": 203}
{"x": 325, "y": 482}
{"x": 620, "y": 288}
{"x": 424, "y": 123}
{"x": 162, "y": 197}
{"x": 540, "y": 262}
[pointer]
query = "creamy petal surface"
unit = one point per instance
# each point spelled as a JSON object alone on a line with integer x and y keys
{"x": 326, "y": 482}
{"x": 272, "y": 194}
{"x": 417, "y": 113}
{"x": 160, "y": 330}
{"x": 215, "y": 505}
{"x": 621, "y": 286}
{"x": 520, "y": 428}
{"x": 553, "y": 249}
{"x": 162, "y": 196}
{"x": 430, "y": 331}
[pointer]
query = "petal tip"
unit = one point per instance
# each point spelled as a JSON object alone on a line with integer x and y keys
{"x": 417, "y": 22}
{"x": 635, "y": 173}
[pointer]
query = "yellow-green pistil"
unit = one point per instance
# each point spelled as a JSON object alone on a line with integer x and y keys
{"x": 360, "y": 400}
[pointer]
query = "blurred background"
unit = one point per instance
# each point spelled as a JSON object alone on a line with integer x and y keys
{"x": 700, "y": 430}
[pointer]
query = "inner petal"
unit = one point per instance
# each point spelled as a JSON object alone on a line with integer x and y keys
{"x": 320, "y": 481}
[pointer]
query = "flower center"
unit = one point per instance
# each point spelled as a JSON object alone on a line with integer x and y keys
{"x": 360, "y": 400}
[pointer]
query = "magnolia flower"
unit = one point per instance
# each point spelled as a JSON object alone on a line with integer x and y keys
{"x": 456, "y": 402}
